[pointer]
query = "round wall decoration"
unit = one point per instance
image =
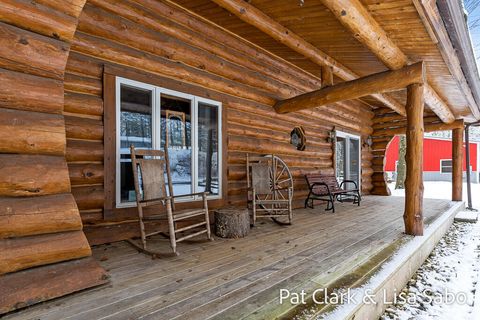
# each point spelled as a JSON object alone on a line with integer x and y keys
{"x": 298, "y": 139}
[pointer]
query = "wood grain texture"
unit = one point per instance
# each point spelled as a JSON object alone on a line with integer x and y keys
{"x": 457, "y": 164}
{"x": 32, "y": 175}
{"x": 413, "y": 216}
{"x": 26, "y": 252}
{"x": 22, "y": 289}
{"x": 32, "y": 133}
{"x": 386, "y": 81}
{"x": 21, "y": 217}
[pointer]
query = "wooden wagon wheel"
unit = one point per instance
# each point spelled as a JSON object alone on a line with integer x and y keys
{"x": 281, "y": 181}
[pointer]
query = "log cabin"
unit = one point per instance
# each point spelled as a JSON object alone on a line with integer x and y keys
{"x": 84, "y": 79}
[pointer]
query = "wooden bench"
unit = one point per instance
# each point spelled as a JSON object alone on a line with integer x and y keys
{"x": 325, "y": 187}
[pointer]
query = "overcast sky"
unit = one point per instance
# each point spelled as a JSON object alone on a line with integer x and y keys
{"x": 473, "y": 9}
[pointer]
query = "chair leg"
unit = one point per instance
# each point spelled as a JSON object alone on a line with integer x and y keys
{"x": 290, "y": 213}
{"x": 254, "y": 208}
{"x": 207, "y": 217}
{"x": 171, "y": 227}
{"x": 142, "y": 228}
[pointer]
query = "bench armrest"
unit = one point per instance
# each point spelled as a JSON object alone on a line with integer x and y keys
{"x": 348, "y": 181}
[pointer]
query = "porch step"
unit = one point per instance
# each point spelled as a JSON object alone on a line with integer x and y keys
{"x": 467, "y": 216}
{"x": 387, "y": 273}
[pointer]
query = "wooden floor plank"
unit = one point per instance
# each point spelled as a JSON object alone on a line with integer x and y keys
{"x": 230, "y": 279}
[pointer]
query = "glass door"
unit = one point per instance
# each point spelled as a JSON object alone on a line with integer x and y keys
{"x": 348, "y": 157}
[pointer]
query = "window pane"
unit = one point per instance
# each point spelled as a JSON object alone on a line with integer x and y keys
{"x": 341, "y": 158}
{"x": 176, "y": 133}
{"x": 136, "y": 129}
{"x": 354, "y": 165}
{"x": 208, "y": 154}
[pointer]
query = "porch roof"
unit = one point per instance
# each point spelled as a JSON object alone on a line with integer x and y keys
{"x": 414, "y": 28}
{"x": 232, "y": 279}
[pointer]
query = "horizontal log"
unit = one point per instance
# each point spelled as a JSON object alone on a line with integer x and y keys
{"x": 32, "y": 132}
{"x": 87, "y": 198}
{"x": 38, "y": 18}
{"x": 26, "y": 252}
{"x": 83, "y": 65}
{"x": 83, "y": 104}
{"x": 80, "y": 84}
{"x": 196, "y": 37}
{"x": 402, "y": 123}
{"x": 112, "y": 27}
{"x": 210, "y": 30}
{"x": 80, "y": 150}
{"x": 240, "y": 130}
{"x": 82, "y": 128}
{"x": 144, "y": 61}
{"x": 255, "y": 17}
{"x": 28, "y": 92}
{"x": 266, "y": 146}
{"x": 85, "y": 174}
{"x": 70, "y": 7}
{"x": 33, "y": 175}
{"x": 25, "y": 51}
{"x": 428, "y": 127}
{"x": 24, "y": 288}
{"x": 377, "y": 83}
{"x": 91, "y": 216}
{"x": 21, "y": 217}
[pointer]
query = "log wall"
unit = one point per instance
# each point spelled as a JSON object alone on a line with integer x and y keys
{"x": 40, "y": 225}
{"x": 182, "y": 52}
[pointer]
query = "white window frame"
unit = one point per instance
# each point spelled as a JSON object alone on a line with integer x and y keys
{"x": 347, "y": 137}
{"x": 156, "y": 139}
{"x": 441, "y": 166}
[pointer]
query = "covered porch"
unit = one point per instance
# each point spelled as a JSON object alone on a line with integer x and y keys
{"x": 242, "y": 278}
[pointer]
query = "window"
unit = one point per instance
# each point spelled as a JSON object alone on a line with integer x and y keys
{"x": 445, "y": 166}
{"x": 348, "y": 157}
{"x": 189, "y": 126}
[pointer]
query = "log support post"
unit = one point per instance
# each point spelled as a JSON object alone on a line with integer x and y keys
{"x": 413, "y": 216}
{"x": 457, "y": 164}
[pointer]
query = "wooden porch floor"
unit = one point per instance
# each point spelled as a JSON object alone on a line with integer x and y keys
{"x": 236, "y": 279}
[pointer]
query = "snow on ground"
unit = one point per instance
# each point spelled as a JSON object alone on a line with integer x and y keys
{"x": 444, "y": 286}
{"x": 452, "y": 270}
{"x": 441, "y": 190}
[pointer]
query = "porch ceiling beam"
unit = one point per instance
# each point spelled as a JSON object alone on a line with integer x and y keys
{"x": 377, "y": 83}
{"x": 255, "y": 17}
{"x": 356, "y": 18}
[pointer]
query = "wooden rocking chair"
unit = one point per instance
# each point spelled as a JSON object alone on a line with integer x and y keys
{"x": 150, "y": 188}
{"x": 270, "y": 189}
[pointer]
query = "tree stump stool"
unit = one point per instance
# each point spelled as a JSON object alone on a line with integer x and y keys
{"x": 232, "y": 222}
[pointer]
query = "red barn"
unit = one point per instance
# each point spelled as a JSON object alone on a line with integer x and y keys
{"x": 437, "y": 159}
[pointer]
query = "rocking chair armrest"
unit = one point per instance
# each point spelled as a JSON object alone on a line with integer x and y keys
{"x": 348, "y": 181}
{"x": 189, "y": 195}
{"x": 161, "y": 200}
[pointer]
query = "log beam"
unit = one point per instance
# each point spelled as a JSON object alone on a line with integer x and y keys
{"x": 377, "y": 83}
{"x": 356, "y": 18}
{"x": 457, "y": 164}
{"x": 255, "y": 17}
{"x": 413, "y": 216}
